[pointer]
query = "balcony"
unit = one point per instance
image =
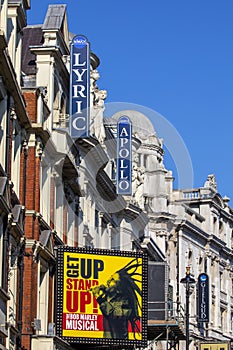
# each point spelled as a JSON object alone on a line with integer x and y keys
{"x": 165, "y": 321}
{"x": 223, "y": 297}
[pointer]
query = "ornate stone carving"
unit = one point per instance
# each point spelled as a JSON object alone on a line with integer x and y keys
{"x": 39, "y": 149}
{"x": 97, "y": 125}
{"x": 94, "y": 76}
{"x": 100, "y": 96}
{"x": 161, "y": 233}
{"x": 211, "y": 182}
{"x": 138, "y": 174}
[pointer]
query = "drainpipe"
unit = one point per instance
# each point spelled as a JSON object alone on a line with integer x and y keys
{"x": 20, "y": 300}
{"x": 5, "y": 249}
{"x": 7, "y": 155}
{"x": 7, "y": 171}
{"x": 25, "y": 148}
{"x": 178, "y": 270}
{"x": 21, "y": 255}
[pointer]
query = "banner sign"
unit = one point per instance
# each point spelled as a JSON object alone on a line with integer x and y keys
{"x": 203, "y": 298}
{"x": 215, "y": 345}
{"x": 102, "y": 297}
{"x": 79, "y": 87}
{"x": 124, "y": 156}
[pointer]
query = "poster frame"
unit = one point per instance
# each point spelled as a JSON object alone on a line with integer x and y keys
{"x": 60, "y": 298}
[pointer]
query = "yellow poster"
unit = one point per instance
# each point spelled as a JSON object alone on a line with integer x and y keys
{"x": 102, "y": 296}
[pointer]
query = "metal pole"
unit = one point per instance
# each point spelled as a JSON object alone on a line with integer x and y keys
{"x": 187, "y": 313}
{"x": 187, "y": 281}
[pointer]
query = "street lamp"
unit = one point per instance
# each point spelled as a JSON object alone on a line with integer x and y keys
{"x": 187, "y": 281}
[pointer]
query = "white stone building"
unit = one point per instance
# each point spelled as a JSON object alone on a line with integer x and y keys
{"x": 192, "y": 228}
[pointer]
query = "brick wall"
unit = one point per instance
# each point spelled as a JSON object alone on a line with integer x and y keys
{"x": 31, "y": 103}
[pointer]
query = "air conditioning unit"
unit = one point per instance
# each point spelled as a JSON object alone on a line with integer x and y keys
{"x": 37, "y": 324}
{"x": 51, "y": 329}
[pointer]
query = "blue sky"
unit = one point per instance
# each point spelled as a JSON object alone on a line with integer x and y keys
{"x": 174, "y": 57}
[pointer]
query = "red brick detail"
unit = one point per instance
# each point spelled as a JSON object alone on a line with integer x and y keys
{"x": 32, "y": 201}
{"x": 21, "y": 185}
{"x": 26, "y": 342}
{"x": 29, "y": 297}
{"x": 30, "y": 179}
{"x": 31, "y": 105}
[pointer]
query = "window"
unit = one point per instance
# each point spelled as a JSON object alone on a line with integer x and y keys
{"x": 221, "y": 280}
{"x": 231, "y": 325}
{"x": 3, "y": 124}
{"x": 223, "y": 319}
{"x": 115, "y": 239}
{"x": 214, "y": 224}
{"x": 15, "y": 161}
{"x": 12, "y": 284}
{"x": 1, "y": 250}
{"x": 43, "y": 294}
{"x": 113, "y": 170}
{"x": 58, "y": 212}
{"x": 45, "y": 192}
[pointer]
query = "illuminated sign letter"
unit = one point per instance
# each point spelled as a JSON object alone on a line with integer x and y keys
{"x": 79, "y": 87}
{"x": 124, "y": 156}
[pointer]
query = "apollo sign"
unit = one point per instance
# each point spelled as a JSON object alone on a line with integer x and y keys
{"x": 79, "y": 87}
{"x": 124, "y": 156}
{"x": 203, "y": 298}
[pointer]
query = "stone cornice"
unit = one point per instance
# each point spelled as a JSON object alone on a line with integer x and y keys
{"x": 135, "y": 213}
{"x": 9, "y": 78}
{"x": 20, "y": 12}
{"x": 152, "y": 147}
{"x": 55, "y": 52}
{"x": 152, "y": 249}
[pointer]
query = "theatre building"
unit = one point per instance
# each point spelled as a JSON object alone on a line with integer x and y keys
{"x": 57, "y": 193}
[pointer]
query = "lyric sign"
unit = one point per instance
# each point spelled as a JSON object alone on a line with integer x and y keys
{"x": 203, "y": 298}
{"x": 79, "y": 87}
{"x": 124, "y": 156}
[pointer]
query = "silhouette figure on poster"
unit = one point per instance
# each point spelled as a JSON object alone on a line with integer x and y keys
{"x": 120, "y": 302}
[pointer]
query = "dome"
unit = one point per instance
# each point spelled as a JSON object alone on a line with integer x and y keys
{"x": 142, "y": 127}
{"x": 140, "y": 122}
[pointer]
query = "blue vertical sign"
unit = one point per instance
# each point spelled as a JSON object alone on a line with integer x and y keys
{"x": 124, "y": 156}
{"x": 203, "y": 298}
{"x": 79, "y": 87}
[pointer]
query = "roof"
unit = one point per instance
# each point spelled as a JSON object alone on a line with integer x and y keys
{"x": 54, "y": 17}
{"x": 32, "y": 35}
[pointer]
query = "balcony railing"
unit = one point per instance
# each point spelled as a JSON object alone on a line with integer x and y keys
{"x": 164, "y": 316}
{"x": 165, "y": 311}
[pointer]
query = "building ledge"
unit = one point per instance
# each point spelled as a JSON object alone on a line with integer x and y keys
{"x": 47, "y": 342}
{"x": 165, "y": 330}
{"x": 4, "y": 295}
{"x": 9, "y": 77}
